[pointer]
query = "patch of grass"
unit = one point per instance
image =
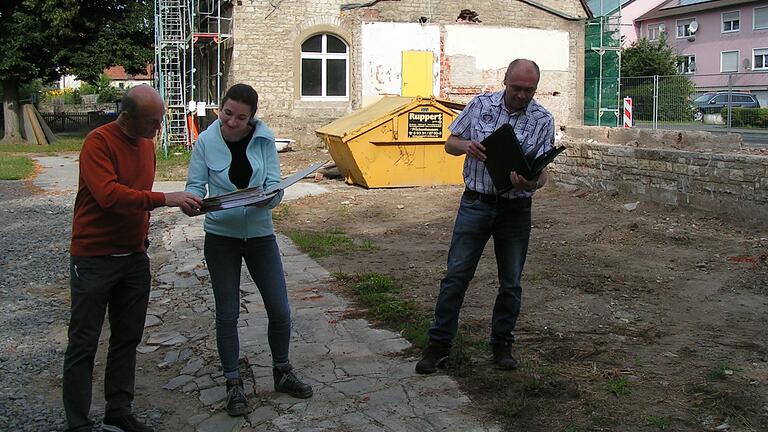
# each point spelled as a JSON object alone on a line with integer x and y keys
{"x": 382, "y": 296}
{"x": 322, "y": 244}
{"x": 729, "y": 400}
{"x": 659, "y": 422}
{"x": 173, "y": 167}
{"x": 572, "y": 428}
{"x": 15, "y": 167}
{"x": 367, "y": 245}
{"x": 510, "y": 409}
{"x": 720, "y": 371}
{"x": 618, "y": 386}
{"x": 542, "y": 380}
{"x": 62, "y": 144}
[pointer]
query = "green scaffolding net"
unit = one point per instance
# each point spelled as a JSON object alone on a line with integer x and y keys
{"x": 602, "y": 63}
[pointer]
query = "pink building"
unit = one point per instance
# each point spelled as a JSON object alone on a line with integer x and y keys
{"x": 715, "y": 39}
{"x": 630, "y": 11}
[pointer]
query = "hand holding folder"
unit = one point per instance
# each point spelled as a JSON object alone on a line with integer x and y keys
{"x": 504, "y": 155}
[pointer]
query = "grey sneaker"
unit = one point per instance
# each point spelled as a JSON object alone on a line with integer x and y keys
{"x": 287, "y": 382}
{"x": 435, "y": 356}
{"x": 236, "y": 403}
{"x": 126, "y": 423}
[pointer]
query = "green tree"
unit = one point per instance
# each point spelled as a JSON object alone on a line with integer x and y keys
{"x": 44, "y": 39}
{"x": 647, "y": 58}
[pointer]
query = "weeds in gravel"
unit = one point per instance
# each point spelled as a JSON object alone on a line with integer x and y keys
{"x": 15, "y": 167}
{"x": 659, "y": 422}
{"x": 618, "y": 386}
{"x": 720, "y": 371}
{"x": 281, "y": 212}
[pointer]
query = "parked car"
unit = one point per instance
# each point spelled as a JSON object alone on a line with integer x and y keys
{"x": 714, "y": 102}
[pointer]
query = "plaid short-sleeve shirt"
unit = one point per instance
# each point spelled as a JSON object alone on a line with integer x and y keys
{"x": 534, "y": 127}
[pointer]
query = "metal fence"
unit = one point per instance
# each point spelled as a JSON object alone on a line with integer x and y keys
{"x": 677, "y": 102}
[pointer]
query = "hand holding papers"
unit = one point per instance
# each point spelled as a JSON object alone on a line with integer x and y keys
{"x": 255, "y": 196}
{"x": 504, "y": 155}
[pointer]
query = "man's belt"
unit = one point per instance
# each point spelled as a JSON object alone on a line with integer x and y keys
{"x": 523, "y": 202}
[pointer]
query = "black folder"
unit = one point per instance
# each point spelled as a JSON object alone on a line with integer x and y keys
{"x": 504, "y": 155}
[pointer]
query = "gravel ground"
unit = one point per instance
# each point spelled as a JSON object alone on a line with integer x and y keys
{"x": 35, "y": 232}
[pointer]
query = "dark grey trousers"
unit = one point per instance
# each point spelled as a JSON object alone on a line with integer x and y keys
{"x": 119, "y": 285}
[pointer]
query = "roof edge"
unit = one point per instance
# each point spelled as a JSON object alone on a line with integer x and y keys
{"x": 560, "y": 13}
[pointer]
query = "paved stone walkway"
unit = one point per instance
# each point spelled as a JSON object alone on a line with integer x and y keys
{"x": 359, "y": 382}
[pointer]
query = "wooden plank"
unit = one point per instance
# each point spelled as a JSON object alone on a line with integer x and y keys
{"x": 49, "y": 135}
{"x": 29, "y": 132}
{"x": 36, "y": 128}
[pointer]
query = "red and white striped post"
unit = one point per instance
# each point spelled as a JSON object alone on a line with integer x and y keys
{"x": 627, "y": 112}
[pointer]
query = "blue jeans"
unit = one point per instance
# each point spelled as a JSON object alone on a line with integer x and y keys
{"x": 224, "y": 256}
{"x": 509, "y": 222}
{"x": 119, "y": 285}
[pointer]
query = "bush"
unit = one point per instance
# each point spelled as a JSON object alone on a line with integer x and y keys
{"x": 109, "y": 94}
{"x": 747, "y": 117}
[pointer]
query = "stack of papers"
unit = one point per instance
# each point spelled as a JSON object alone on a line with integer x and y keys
{"x": 255, "y": 196}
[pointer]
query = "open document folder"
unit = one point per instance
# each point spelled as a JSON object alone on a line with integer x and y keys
{"x": 255, "y": 196}
{"x": 504, "y": 155}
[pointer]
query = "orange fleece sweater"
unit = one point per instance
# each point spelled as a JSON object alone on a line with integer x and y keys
{"x": 114, "y": 194}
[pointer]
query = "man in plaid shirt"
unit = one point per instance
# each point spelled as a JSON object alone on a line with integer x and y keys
{"x": 484, "y": 213}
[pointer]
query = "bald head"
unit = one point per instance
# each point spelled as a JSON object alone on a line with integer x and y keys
{"x": 520, "y": 83}
{"x": 143, "y": 111}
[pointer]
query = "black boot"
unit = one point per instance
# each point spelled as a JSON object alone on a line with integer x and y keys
{"x": 502, "y": 357}
{"x": 435, "y": 355}
{"x": 287, "y": 382}
{"x": 237, "y": 405}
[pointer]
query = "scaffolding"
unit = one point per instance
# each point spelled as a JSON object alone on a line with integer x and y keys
{"x": 192, "y": 42}
{"x": 602, "y": 61}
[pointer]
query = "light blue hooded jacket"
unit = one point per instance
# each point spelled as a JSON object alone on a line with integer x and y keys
{"x": 209, "y": 166}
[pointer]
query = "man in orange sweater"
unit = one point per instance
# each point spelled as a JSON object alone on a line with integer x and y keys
{"x": 109, "y": 267}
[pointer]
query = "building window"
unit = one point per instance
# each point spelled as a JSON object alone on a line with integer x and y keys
{"x": 760, "y": 18}
{"x": 686, "y": 64}
{"x": 731, "y": 22}
{"x": 684, "y": 27}
{"x": 729, "y": 61}
{"x": 654, "y": 31}
{"x": 760, "y": 59}
{"x": 324, "y": 68}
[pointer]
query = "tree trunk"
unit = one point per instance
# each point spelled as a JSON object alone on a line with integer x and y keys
{"x": 11, "y": 109}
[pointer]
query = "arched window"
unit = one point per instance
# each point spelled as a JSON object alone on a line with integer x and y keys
{"x": 324, "y": 68}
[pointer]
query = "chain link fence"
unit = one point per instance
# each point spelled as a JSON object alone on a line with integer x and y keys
{"x": 673, "y": 102}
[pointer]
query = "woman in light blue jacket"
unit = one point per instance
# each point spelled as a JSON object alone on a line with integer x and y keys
{"x": 238, "y": 151}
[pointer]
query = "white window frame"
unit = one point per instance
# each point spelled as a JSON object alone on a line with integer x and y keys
{"x": 765, "y": 59}
{"x": 687, "y": 71}
{"x": 656, "y": 26}
{"x": 323, "y": 55}
{"x": 677, "y": 30}
{"x": 722, "y": 22}
{"x": 754, "y": 20}
{"x": 738, "y": 57}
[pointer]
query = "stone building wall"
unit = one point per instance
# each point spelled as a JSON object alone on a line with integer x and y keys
{"x": 728, "y": 184}
{"x": 267, "y": 43}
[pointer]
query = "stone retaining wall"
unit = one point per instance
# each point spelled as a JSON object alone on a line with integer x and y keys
{"x": 729, "y": 184}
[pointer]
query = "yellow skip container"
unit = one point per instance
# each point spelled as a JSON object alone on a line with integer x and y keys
{"x": 395, "y": 142}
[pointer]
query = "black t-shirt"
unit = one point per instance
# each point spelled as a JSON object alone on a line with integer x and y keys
{"x": 240, "y": 171}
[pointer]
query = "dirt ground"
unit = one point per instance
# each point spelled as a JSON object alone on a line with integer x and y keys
{"x": 641, "y": 320}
